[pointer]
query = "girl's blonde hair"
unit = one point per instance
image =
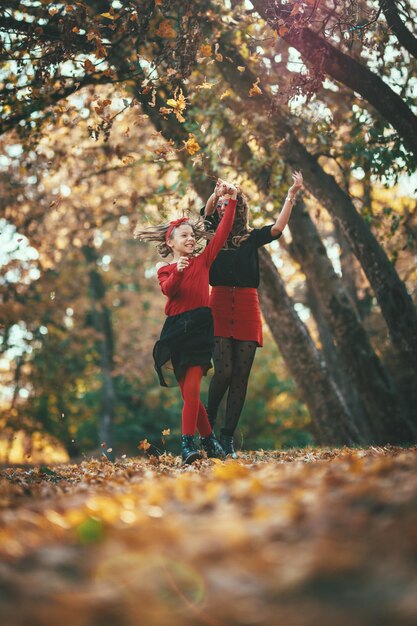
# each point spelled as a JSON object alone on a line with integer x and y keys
{"x": 158, "y": 234}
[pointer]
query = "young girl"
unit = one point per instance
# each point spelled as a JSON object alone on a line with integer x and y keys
{"x": 187, "y": 337}
{"x": 234, "y": 277}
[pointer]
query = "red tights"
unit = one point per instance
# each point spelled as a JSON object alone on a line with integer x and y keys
{"x": 193, "y": 413}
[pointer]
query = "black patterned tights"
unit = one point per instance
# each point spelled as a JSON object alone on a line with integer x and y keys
{"x": 232, "y": 365}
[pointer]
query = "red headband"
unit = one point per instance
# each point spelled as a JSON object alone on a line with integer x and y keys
{"x": 173, "y": 225}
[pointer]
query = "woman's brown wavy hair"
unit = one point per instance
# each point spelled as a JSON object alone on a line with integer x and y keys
{"x": 240, "y": 229}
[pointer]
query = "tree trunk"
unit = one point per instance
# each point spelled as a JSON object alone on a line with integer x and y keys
{"x": 103, "y": 326}
{"x": 350, "y": 270}
{"x": 335, "y": 365}
{"x": 332, "y": 422}
{"x": 389, "y": 424}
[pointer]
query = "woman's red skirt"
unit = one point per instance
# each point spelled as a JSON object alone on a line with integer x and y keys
{"x": 236, "y": 313}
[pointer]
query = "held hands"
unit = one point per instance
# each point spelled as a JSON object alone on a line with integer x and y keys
{"x": 297, "y": 185}
{"x": 182, "y": 263}
{"x": 225, "y": 189}
{"x": 230, "y": 191}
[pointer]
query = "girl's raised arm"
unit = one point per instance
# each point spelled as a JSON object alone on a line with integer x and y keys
{"x": 284, "y": 216}
{"x": 223, "y": 229}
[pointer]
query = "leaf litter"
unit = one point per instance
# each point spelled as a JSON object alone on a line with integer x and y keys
{"x": 304, "y": 537}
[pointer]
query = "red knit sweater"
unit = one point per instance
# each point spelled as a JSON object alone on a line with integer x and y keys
{"x": 189, "y": 289}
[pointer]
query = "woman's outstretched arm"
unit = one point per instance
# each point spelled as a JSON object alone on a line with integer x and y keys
{"x": 284, "y": 216}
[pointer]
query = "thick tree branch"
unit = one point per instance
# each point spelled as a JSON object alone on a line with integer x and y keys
{"x": 404, "y": 36}
{"x": 347, "y": 71}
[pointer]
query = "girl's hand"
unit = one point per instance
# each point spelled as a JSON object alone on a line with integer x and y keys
{"x": 230, "y": 191}
{"x": 219, "y": 188}
{"x": 298, "y": 184}
{"x": 182, "y": 263}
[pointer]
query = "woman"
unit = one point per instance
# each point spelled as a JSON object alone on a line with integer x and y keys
{"x": 234, "y": 277}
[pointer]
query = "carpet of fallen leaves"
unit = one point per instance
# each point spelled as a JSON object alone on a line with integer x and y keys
{"x": 312, "y": 537}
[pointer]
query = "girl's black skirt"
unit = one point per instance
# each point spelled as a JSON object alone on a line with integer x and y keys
{"x": 186, "y": 339}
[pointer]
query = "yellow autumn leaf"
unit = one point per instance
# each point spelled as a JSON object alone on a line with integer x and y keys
{"x": 255, "y": 90}
{"x": 230, "y": 471}
{"x": 241, "y": 68}
{"x": 191, "y": 144}
{"x": 108, "y": 15}
{"x": 178, "y": 104}
{"x": 225, "y": 94}
{"x": 166, "y": 432}
{"x": 205, "y": 85}
{"x": 144, "y": 445}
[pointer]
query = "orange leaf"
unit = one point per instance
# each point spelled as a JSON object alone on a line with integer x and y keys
{"x": 205, "y": 50}
{"x": 89, "y": 66}
{"x": 165, "y": 29}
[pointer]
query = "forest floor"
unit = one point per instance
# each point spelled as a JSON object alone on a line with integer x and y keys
{"x": 311, "y": 537}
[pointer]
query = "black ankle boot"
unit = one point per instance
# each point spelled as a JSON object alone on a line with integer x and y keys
{"x": 189, "y": 451}
{"x": 212, "y": 447}
{"x": 226, "y": 442}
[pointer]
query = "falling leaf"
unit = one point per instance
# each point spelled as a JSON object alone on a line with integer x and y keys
{"x": 166, "y": 432}
{"x": 89, "y": 66}
{"x": 109, "y": 16}
{"x": 205, "y": 50}
{"x": 144, "y": 445}
{"x": 255, "y": 90}
{"x": 152, "y": 103}
{"x": 191, "y": 144}
{"x": 205, "y": 85}
{"x": 197, "y": 160}
{"x": 178, "y": 104}
{"x": 225, "y": 94}
{"x": 241, "y": 68}
{"x": 165, "y": 30}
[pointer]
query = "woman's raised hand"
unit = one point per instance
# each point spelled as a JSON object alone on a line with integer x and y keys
{"x": 297, "y": 185}
{"x": 223, "y": 188}
{"x": 219, "y": 188}
{"x": 230, "y": 191}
